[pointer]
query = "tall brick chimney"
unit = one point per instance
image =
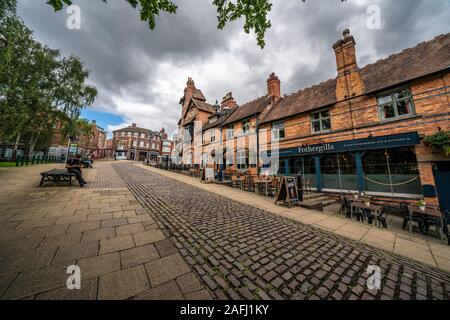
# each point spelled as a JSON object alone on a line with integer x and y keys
{"x": 274, "y": 86}
{"x": 349, "y": 81}
{"x": 228, "y": 102}
{"x": 188, "y": 93}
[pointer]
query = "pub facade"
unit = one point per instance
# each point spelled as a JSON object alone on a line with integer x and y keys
{"x": 363, "y": 131}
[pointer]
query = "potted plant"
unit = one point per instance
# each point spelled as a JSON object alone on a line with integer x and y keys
{"x": 421, "y": 204}
{"x": 440, "y": 140}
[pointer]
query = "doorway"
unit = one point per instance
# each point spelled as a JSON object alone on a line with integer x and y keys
{"x": 441, "y": 172}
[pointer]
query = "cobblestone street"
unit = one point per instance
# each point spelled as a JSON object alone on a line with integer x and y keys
{"x": 241, "y": 252}
{"x": 138, "y": 234}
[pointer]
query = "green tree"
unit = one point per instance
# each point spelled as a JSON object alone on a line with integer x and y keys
{"x": 7, "y": 8}
{"x": 37, "y": 88}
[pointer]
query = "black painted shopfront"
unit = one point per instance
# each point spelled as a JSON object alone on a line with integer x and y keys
{"x": 384, "y": 165}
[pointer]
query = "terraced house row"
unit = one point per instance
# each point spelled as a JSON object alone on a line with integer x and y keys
{"x": 362, "y": 131}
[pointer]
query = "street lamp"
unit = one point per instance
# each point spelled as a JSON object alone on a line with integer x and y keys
{"x": 3, "y": 41}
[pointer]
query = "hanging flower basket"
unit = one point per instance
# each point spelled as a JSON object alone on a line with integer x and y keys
{"x": 439, "y": 142}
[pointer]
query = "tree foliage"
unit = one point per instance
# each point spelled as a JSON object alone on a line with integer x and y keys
{"x": 38, "y": 89}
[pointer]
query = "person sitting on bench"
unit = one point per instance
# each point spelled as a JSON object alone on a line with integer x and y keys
{"x": 88, "y": 163}
{"x": 74, "y": 166}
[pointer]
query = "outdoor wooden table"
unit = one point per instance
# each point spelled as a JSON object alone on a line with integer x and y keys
{"x": 262, "y": 181}
{"x": 429, "y": 212}
{"x": 361, "y": 205}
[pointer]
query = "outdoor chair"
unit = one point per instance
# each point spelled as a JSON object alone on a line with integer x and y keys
{"x": 382, "y": 216}
{"x": 357, "y": 212}
{"x": 234, "y": 181}
{"x": 415, "y": 217}
{"x": 435, "y": 222}
{"x": 273, "y": 186}
{"x": 347, "y": 209}
{"x": 246, "y": 184}
{"x": 307, "y": 185}
{"x": 342, "y": 208}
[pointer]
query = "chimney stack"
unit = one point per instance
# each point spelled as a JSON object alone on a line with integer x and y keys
{"x": 349, "y": 81}
{"x": 188, "y": 93}
{"x": 274, "y": 86}
{"x": 133, "y": 125}
{"x": 228, "y": 102}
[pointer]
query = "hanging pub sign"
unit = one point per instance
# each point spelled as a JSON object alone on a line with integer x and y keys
{"x": 288, "y": 192}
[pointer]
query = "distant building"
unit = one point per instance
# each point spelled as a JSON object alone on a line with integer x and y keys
{"x": 136, "y": 143}
{"x": 167, "y": 145}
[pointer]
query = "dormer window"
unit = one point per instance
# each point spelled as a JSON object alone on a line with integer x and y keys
{"x": 213, "y": 119}
{"x": 396, "y": 104}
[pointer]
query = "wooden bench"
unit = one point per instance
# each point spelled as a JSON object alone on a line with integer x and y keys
{"x": 57, "y": 175}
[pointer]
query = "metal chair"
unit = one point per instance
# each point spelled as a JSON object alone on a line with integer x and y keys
{"x": 382, "y": 216}
{"x": 415, "y": 217}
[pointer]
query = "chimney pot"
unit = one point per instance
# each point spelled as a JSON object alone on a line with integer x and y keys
{"x": 346, "y": 33}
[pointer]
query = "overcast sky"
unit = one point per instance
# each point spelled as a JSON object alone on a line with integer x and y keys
{"x": 141, "y": 74}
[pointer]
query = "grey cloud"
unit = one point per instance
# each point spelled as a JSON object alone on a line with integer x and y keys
{"x": 124, "y": 55}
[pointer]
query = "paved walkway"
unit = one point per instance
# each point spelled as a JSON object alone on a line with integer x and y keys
{"x": 121, "y": 251}
{"x": 137, "y": 233}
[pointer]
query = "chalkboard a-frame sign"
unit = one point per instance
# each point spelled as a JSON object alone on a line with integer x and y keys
{"x": 288, "y": 192}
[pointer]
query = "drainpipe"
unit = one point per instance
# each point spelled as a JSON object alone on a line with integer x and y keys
{"x": 257, "y": 147}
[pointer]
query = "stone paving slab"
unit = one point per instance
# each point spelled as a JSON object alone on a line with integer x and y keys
{"x": 102, "y": 229}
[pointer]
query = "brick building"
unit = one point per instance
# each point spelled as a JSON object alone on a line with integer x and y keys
{"x": 194, "y": 109}
{"x": 166, "y": 145}
{"x": 94, "y": 144}
{"x": 97, "y": 142}
{"x": 131, "y": 141}
{"x": 360, "y": 131}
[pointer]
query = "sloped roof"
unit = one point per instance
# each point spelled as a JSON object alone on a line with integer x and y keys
{"x": 137, "y": 129}
{"x": 221, "y": 118}
{"x": 412, "y": 63}
{"x": 424, "y": 59}
{"x": 304, "y": 100}
{"x": 202, "y": 105}
{"x": 198, "y": 94}
{"x": 249, "y": 109}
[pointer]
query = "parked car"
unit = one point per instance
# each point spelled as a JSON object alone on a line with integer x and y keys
{"x": 121, "y": 157}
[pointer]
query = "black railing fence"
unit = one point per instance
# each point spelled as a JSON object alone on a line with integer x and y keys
{"x": 27, "y": 160}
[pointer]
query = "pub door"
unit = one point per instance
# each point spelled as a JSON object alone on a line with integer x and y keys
{"x": 441, "y": 172}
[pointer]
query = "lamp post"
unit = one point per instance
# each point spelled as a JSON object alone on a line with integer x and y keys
{"x": 3, "y": 41}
